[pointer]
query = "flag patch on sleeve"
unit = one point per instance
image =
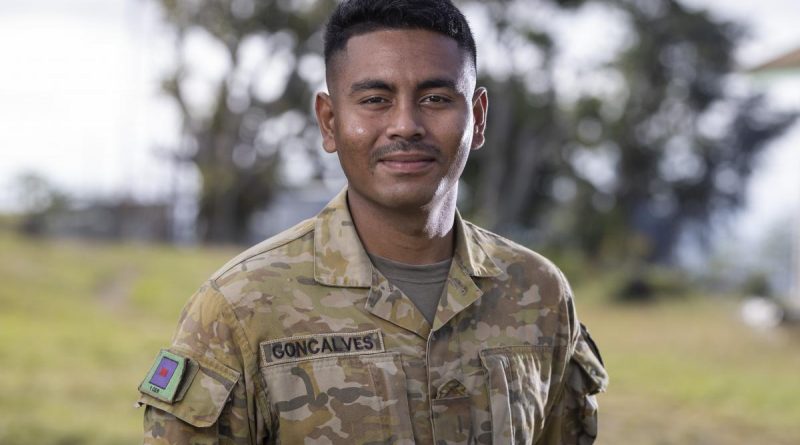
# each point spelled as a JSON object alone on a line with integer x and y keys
{"x": 165, "y": 376}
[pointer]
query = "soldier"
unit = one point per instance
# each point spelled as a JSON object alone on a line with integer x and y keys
{"x": 387, "y": 318}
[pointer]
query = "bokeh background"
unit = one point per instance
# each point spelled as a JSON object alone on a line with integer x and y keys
{"x": 650, "y": 147}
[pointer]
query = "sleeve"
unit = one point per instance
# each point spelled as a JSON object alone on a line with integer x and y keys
{"x": 573, "y": 419}
{"x": 211, "y": 400}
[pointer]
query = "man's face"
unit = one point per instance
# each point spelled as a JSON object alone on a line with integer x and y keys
{"x": 402, "y": 115}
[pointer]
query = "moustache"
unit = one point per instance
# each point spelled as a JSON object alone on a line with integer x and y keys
{"x": 404, "y": 146}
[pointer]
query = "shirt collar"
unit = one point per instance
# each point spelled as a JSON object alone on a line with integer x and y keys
{"x": 340, "y": 258}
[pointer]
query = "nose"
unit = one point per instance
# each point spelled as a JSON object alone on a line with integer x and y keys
{"x": 406, "y": 123}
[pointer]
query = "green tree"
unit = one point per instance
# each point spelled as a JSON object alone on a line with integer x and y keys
{"x": 666, "y": 173}
{"x": 674, "y": 173}
{"x": 39, "y": 198}
{"x": 232, "y": 139}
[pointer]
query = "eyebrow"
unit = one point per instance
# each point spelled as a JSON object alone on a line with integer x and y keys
{"x": 370, "y": 84}
{"x": 375, "y": 84}
{"x": 437, "y": 83}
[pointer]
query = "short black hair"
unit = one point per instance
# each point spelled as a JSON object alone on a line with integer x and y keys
{"x": 356, "y": 17}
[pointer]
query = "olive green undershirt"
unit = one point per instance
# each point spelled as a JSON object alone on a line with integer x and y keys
{"x": 422, "y": 284}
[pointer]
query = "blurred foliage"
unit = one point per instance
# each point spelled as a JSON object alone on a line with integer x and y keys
{"x": 677, "y": 146}
{"x": 81, "y": 323}
{"x": 230, "y": 139}
{"x": 649, "y": 282}
{"x": 38, "y": 198}
{"x": 667, "y": 170}
{"x": 757, "y": 284}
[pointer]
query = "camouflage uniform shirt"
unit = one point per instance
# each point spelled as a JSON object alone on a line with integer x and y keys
{"x": 300, "y": 340}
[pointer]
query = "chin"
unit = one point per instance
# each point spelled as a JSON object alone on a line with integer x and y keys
{"x": 407, "y": 197}
{"x": 415, "y": 197}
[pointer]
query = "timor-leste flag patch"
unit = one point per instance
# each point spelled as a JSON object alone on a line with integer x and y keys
{"x": 166, "y": 376}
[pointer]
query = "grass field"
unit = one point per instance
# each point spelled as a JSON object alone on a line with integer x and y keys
{"x": 80, "y": 324}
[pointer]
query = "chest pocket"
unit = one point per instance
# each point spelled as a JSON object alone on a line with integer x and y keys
{"x": 340, "y": 399}
{"x": 518, "y": 380}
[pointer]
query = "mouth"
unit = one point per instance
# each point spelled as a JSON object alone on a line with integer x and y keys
{"x": 407, "y": 162}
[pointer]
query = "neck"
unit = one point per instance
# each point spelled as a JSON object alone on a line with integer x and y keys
{"x": 416, "y": 236}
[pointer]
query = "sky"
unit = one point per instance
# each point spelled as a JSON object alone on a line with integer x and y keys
{"x": 79, "y": 99}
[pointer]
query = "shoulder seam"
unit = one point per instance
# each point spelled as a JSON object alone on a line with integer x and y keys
{"x": 218, "y": 274}
{"x": 502, "y": 238}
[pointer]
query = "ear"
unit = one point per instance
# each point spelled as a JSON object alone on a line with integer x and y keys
{"x": 480, "y": 108}
{"x": 323, "y": 107}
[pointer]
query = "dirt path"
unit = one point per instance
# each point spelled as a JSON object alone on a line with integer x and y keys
{"x": 114, "y": 293}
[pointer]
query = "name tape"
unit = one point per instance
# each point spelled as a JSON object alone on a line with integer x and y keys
{"x": 321, "y": 345}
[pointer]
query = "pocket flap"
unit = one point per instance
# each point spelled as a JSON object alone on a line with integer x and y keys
{"x": 587, "y": 356}
{"x": 203, "y": 394}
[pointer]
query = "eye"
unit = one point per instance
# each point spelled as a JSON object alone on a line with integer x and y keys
{"x": 374, "y": 100}
{"x": 436, "y": 99}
